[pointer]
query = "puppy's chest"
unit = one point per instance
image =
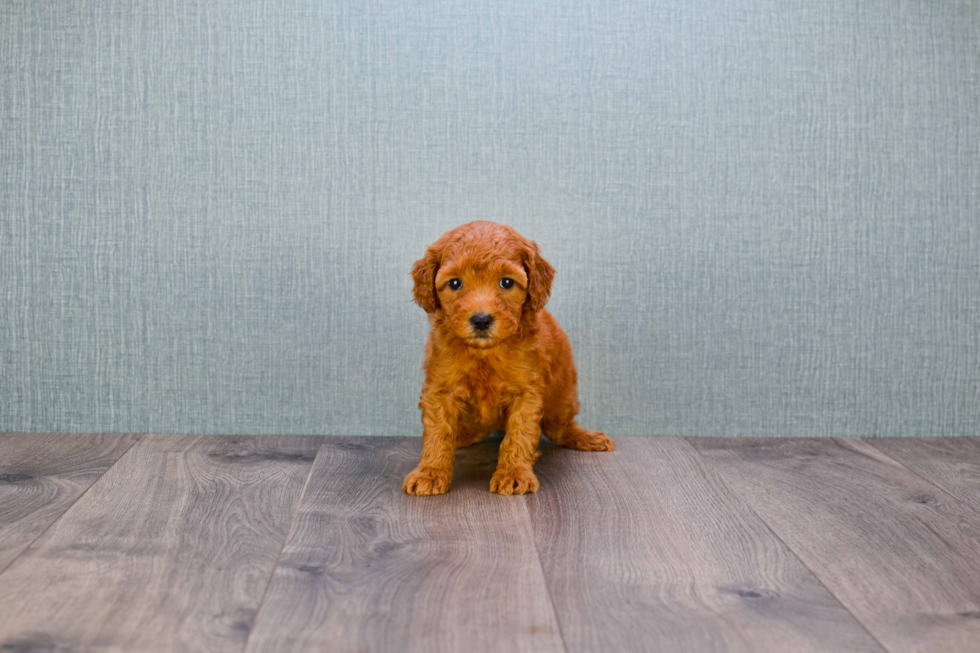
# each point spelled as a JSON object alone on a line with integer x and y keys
{"x": 487, "y": 391}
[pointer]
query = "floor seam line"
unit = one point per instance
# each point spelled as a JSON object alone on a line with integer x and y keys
{"x": 285, "y": 542}
{"x": 915, "y": 473}
{"x": 139, "y": 438}
{"x": 544, "y": 577}
{"x": 796, "y": 555}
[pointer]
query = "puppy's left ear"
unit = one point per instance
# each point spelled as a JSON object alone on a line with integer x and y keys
{"x": 424, "y": 276}
{"x": 539, "y": 276}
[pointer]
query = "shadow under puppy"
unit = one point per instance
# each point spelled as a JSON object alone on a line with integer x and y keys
{"x": 495, "y": 358}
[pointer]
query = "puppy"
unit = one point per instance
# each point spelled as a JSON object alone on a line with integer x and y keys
{"x": 495, "y": 358}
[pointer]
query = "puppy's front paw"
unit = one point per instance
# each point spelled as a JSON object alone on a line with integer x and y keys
{"x": 585, "y": 440}
{"x": 513, "y": 481}
{"x": 426, "y": 481}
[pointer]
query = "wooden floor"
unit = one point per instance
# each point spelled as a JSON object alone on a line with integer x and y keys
{"x": 189, "y": 543}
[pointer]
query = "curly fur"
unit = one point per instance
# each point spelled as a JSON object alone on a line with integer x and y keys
{"x": 518, "y": 375}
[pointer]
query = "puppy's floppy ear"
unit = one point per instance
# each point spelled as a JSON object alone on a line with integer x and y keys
{"x": 424, "y": 275}
{"x": 539, "y": 276}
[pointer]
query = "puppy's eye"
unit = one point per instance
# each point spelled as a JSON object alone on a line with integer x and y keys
{"x": 506, "y": 283}
{"x": 455, "y": 284}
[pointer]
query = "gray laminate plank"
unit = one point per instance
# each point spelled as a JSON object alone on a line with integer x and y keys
{"x": 42, "y": 475}
{"x": 171, "y": 550}
{"x": 646, "y": 549}
{"x": 952, "y": 464}
{"x": 369, "y": 568}
{"x": 901, "y": 555}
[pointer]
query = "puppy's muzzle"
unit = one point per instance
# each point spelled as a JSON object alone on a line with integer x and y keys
{"x": 481, "y": 322}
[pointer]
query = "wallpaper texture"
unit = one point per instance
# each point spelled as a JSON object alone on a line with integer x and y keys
{"x": 765, "y": 214}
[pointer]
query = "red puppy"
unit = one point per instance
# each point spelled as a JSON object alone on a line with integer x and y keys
{"x": 495, "y": 358}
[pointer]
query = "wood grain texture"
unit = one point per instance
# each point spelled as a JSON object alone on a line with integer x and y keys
{"x": 901, "y": 555}
{"x": 952, "y": 464}
{"x": 369, "y": 568}
{"x": 171, "y": 550}
{"x": 646, "y": 549}
{"x": 42, "y": 475}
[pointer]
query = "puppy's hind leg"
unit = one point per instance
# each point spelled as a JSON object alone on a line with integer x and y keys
{"x": 570, "y": 434}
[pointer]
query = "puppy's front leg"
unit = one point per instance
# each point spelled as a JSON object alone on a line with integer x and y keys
{"x": 435, "y": 470}
{"x": 519, "y": 449}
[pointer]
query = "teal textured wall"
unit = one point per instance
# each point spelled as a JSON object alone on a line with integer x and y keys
{"x": 765, "y": 214}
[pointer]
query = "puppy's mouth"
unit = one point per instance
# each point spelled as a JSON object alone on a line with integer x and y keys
{"x": 480, "y": 340}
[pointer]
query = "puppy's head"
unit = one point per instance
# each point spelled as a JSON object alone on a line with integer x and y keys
{"x": 480, "y": 280}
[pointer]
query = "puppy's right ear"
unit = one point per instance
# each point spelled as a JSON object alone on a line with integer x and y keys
{"x": 424, "y": 275}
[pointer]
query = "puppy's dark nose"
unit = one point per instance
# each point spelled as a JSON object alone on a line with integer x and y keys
{"x": 481, "y": 321}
